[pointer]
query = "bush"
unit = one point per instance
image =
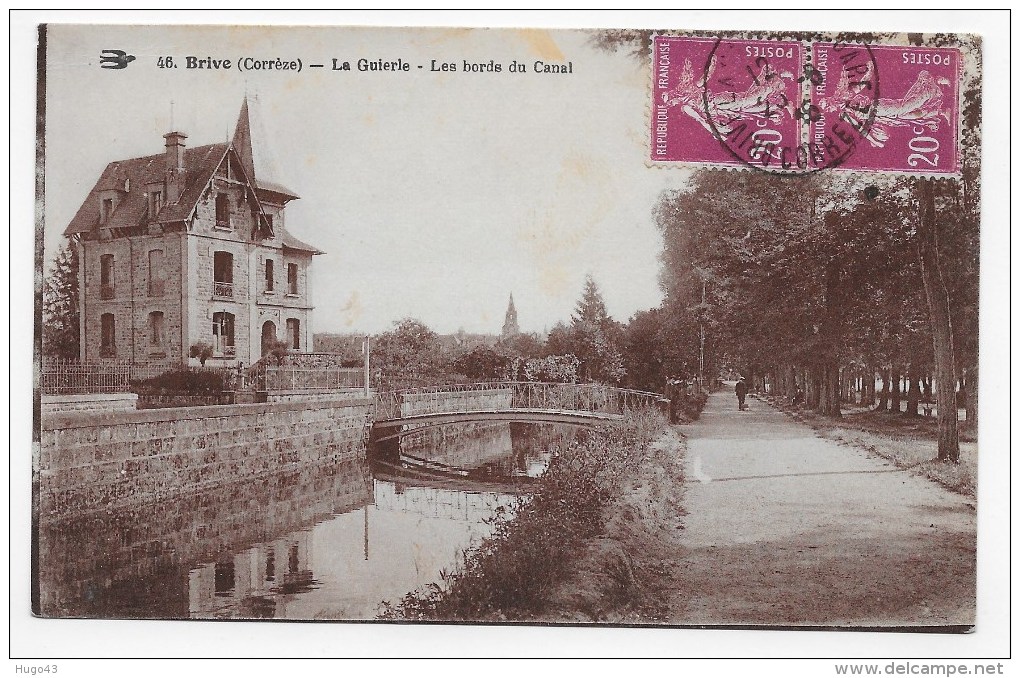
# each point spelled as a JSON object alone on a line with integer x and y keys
{"x": 184, "y": 381}
{"x": 560, "y": 369}
{"x": 483, "y": 362}
{"x": 277, "y": 351}
{"x": 201, "y": 350}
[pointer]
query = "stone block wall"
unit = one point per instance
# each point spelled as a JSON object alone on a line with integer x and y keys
{"x": 98, "y": 461}
{"x": 456, "y": 401}
{"x": 310, "y": 395}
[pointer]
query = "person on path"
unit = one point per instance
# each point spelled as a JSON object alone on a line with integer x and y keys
{"x": 741, "y": 391}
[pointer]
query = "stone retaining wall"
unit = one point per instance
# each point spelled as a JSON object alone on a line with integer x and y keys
{"x": 101, "y": 460}
{"x": 311, "y": 395}
{"x": 88, "y": 402}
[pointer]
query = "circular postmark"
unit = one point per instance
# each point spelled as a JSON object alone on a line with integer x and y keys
{"x": 786, "y": 108}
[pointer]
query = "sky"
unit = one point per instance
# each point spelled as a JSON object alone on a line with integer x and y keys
{"x": 434, "y": 195}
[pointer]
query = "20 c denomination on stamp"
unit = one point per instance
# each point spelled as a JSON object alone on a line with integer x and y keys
{"x": 790, "y": 107}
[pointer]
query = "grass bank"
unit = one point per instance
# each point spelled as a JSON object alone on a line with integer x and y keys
{"x": 910, "y": 442}
{"x": 587, "y": 546}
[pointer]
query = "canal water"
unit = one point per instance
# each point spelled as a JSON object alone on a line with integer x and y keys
{"x": 322, "y": 542}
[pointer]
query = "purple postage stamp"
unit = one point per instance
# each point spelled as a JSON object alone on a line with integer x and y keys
{"x": 725, "y": 102}
{"x": 790, "y": 107}
{"x": 907, "y": 117}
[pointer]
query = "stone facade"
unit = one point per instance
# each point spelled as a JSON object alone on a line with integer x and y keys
{"x": 147, "y": 277}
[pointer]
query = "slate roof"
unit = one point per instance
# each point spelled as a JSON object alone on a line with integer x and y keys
{"x": 138, "y": 173}
{"x": 293, "y": 243}
{"x": 275, "y": 188}
{"x": 200, "y": 163}
{"x": 132, "y": 177}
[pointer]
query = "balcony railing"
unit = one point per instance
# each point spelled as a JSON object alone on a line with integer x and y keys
{"x": 223, "y": 289}
{"x": 106, "y": 291}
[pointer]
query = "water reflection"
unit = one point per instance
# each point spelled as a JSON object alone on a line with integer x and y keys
{"x": 319, "y": 542}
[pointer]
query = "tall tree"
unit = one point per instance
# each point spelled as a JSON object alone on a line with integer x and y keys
{"x": 592, "y": 337}
{"x": 60, "y": 335}
{"x": 591, "y": 307}
{"x": 410, "y": 354}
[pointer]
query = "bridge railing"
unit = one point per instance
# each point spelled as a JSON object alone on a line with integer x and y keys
{"x": 516, "y": 395}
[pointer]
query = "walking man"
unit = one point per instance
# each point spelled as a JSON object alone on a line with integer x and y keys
{"x": 741, "y": 391}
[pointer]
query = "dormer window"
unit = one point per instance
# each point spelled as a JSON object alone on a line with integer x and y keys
{"x": 155, "y": 203}
{"x": 105, "y": 210}
{"x": 222, "y": 210}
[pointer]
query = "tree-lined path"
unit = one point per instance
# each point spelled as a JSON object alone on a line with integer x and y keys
{"x": 784, "y": 527}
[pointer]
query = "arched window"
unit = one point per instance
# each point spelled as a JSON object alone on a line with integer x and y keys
{"x": 222, "y": 210}
{"x": 294, "y": 333}
{"x": 106, "y": 277}
{"x": 223, "y": 274}
{"x": 156, "y": 335}
{"x": 156, "y": 273}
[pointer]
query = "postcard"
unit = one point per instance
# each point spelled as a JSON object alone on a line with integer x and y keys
{"x": 655, "y": 328}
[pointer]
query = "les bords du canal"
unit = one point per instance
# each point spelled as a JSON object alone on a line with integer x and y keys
{"x": 327, "y": 541}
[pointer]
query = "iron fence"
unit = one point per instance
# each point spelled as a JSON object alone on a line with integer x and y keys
{"x": 71, "y": 376}
{"x": 513, "y": 395}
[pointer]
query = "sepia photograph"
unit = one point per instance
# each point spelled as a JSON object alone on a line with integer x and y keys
{"x": 427, "y": 329}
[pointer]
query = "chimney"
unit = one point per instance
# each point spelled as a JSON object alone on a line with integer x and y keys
{"x": 174, "y": 165}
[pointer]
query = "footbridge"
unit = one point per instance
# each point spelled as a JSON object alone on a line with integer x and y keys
{"x": 399, "y": 412}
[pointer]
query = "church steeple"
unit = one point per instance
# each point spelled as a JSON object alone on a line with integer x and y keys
{"x": 510, "y": 328}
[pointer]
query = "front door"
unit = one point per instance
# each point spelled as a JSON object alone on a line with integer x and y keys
{"x": 268, "y": 336}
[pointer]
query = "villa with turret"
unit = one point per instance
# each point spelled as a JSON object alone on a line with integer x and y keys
{"x": 190, "y": 247}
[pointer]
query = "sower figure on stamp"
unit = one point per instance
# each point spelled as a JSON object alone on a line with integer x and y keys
{"x": 741, "y": 391}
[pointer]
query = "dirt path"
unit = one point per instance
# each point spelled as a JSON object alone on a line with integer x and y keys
{"x": 785, "y": 528}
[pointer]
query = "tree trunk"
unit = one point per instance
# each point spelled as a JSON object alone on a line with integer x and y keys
{"x": 831, "y": 334}
{"x": 913, "y": 390}
{"x": 811, "y": 392}
{"x": 828, "y": 400}
{"x": 941, "y": 324}
{"x": 883, "y": 398}
{"x": 868, "y": 387}
{"x": 972, "y": 397}
{"x": 894, "y": 396}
